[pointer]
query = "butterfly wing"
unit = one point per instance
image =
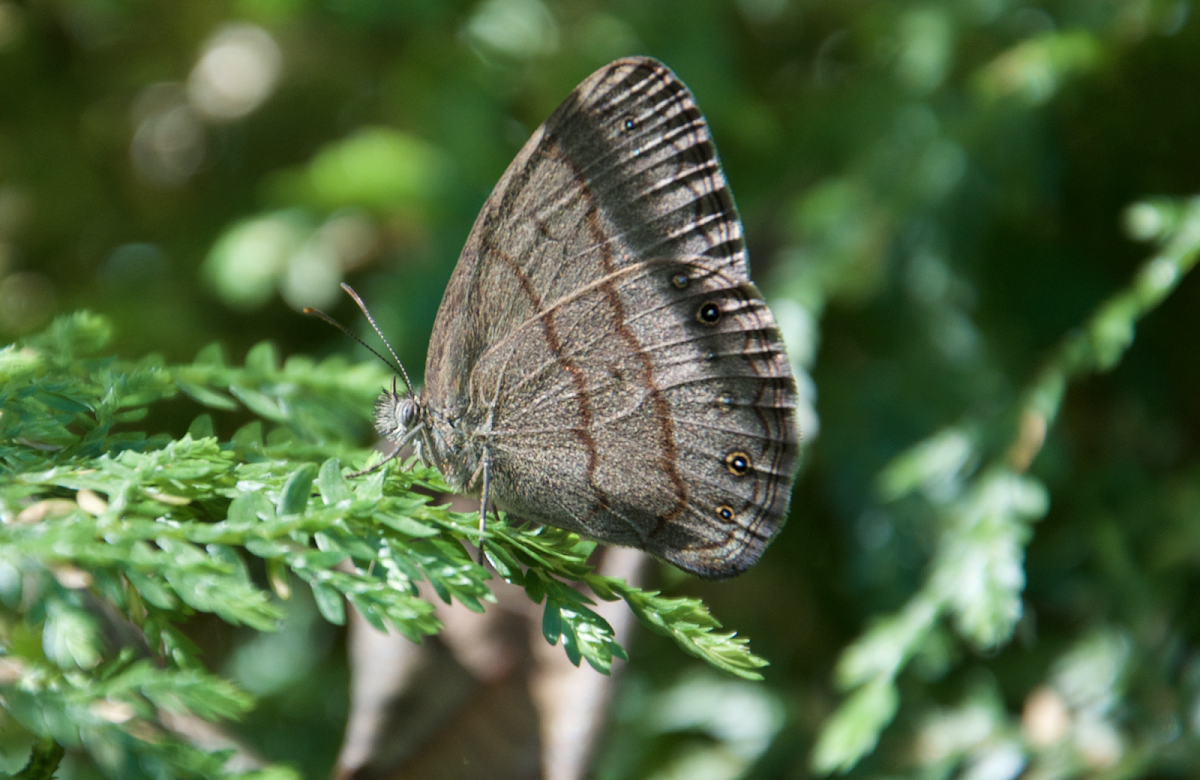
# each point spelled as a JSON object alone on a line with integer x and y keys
{"x": 601, "y": 340}
{"x": 623, "y": 169}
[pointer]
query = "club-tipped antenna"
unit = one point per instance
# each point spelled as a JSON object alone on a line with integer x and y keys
{"x": 396, "y": 366}
{"x": 350, "y": 291}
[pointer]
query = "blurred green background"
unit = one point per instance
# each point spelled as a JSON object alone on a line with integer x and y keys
{"x": 935, "y": 195}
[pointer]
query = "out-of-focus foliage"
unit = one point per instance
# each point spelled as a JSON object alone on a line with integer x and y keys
{"x": 975, "y": 223}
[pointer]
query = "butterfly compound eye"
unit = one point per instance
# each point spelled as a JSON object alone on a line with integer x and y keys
{"x": 406, "y": 411}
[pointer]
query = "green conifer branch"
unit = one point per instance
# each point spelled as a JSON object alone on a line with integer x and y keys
{"x": 107, "y": 530}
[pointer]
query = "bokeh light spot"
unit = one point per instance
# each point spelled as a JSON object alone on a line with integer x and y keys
{"x": 26, "y": 301}
{"x": 238, "y": 70}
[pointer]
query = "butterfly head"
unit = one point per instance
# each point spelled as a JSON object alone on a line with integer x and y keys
{"x": 396, "y": 414}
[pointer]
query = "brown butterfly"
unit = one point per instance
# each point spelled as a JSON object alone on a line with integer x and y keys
{"x": 601, "y": 361}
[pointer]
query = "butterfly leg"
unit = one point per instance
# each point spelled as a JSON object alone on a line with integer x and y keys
{"x": 378, "y": 465}
{"x": 409, "y": 436}
{"x": 484, "y": 496}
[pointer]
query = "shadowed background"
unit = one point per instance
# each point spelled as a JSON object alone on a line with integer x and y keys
{"x": 934, "y": 193}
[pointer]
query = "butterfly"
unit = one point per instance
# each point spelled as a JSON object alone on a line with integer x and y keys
{"x": 600, "y": 361}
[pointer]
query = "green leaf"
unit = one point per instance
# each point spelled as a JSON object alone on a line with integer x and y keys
{"x": 450, "y": 571}
{"x": 151, "y": 590}
{"x": 329, "y": 603}
{"x": 853, "y": 730}
{"x": 505, "y": 564}
{"x": 331, "y": 484}
{"x": 70, "y": 637}
{"x": 535, "y": 587}
{"x": 248, "y": 509}
{"x": 258, "y": 402}
{"x": 407, "y": 525}
{"x": 203, "y": 395}
{"x": 552, "y": 626}
{"x": 201, "y": 427}
{"x": 249, "y": 436}
{"x": 263, "y": 357}
{"x": 212, "y": 355}
{"x": 64, "y": 404}
{"x": 584, "y": 633}
{"x": 297, "y": 490}
{"x": 181, "y": 691}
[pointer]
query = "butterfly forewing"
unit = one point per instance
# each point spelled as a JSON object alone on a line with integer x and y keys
{"x": 654, "y": 188}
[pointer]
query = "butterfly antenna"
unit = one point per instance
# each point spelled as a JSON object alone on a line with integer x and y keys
{"x": 399, "y": 369}
{"x": 350, "y": 291}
